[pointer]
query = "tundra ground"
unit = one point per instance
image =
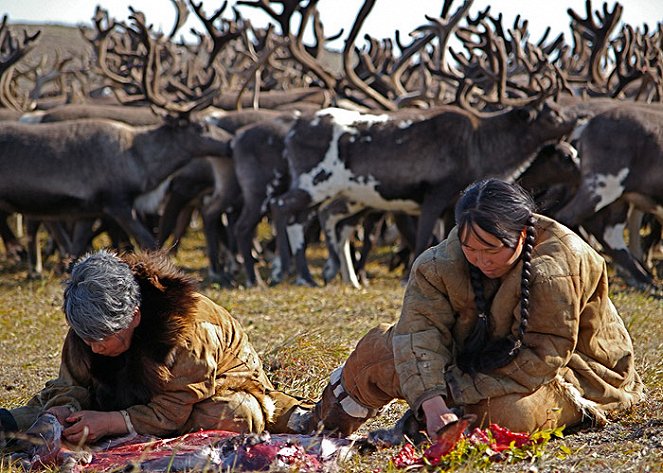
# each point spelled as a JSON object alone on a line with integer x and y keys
{"x": 302, "y": 334}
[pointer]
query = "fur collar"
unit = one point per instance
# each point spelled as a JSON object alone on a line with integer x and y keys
{"x": 166, "y": 305}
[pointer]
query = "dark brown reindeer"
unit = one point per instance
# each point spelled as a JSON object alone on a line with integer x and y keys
{"x": 262, "y": 172}
{"x": 601, "y": 69}
{"x": 195, "y": 181}
{"x": 88, "y": 168}
{"x": 226, "y": 197}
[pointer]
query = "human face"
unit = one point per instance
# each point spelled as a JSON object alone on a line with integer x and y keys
{"x": 488, "y": 253}
{"x": 116, "y": 343}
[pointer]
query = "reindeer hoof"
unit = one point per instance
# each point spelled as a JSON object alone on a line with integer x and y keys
{"x": 35, "y": 276}
{"x": 275, "y": 279}
{"x": 222, "y": 279}
{"x": 329, "y": 272}
{"x": 255, "y": 284}
{"x": 306, "y": 282}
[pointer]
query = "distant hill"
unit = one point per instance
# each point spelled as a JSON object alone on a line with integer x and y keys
{"x": 65, "y": 39}
{"x": 68, "y": 39}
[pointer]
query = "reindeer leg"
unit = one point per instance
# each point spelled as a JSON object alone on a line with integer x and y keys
{"x": 298, "y": 247}
{"x": 13, "y": 247}
{"x": 35, "y": 265}
{"x": 181, "y": 225}
{"x": 129, "y": 222}
{"x": 289, "y": 237}
{"x": 348, "y": 273}
{"x": 407, "y": 228}
{"x": 607, "y": 226}
{"x": 244, "y": 232}
{"x": 211, "y": 214}
{"x": 328, "y": 221}
{"x": 175, "y": 218}
{"x": 338, "y": 219}
{"x": 431, "y": 209}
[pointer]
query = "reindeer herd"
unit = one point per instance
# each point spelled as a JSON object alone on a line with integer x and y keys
{"x": 251, "y": 125}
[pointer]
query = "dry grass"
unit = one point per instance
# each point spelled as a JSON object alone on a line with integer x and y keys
{"x": 303, "y": 334}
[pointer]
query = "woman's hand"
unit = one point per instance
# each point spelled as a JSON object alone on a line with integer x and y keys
{"x": 437, "y": 415}
{"x": 90, "y": 426}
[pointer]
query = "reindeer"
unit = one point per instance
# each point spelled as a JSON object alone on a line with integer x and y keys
{"x": 89, "y": 168}
{"x": 262, "y": 172}
{"x": 418, "y": 161}
{"x": 621, "y": 157}
{"x": 412, "y": 161}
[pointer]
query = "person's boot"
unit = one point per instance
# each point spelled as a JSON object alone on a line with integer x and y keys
{"x": 8, "y": 426}
{"x": 337, "y": 412}
{"x": 408, "y": 428}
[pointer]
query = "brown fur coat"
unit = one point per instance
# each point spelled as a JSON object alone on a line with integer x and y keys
{"x": 190, "y": 364}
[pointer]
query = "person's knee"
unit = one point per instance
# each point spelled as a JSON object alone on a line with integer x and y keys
{"x": 525, "y": 413}
{"x": 369, "y": 374}
{"x": 239, "y": 412}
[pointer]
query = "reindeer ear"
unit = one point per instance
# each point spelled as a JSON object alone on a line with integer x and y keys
{"x": 528, "y": 113}
{"x": 171, "y": 119}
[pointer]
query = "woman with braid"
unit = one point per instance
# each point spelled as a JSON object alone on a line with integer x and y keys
{"x": 508, "y": 318}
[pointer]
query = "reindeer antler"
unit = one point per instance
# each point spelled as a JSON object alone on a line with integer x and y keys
{"x": 597, "y": 34}
{"x": 11, "y": 51}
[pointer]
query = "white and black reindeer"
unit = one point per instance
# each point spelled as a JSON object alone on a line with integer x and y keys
{"x": 414, "y": 161}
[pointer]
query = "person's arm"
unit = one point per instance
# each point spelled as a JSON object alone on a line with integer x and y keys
{"x": 548, "y": 344}
{"x": 69, "y": 392}
{"x": 191, "y": 380}
{"x": 422, "y": 340}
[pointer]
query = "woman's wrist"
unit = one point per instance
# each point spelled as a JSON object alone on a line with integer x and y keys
{"x": 435, "y": 403}
{"x": 126, "y": 420}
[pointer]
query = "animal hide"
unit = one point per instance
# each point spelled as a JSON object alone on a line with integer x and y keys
{"x": 42, "y": 447}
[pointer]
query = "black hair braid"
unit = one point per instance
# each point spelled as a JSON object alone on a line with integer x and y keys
{"x": 526, "y": 275}
{"x": 482, "y": 355}
{"x": 477, "y": 339}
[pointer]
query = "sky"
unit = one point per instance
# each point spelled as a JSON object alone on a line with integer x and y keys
{"x": 386, "y": 16}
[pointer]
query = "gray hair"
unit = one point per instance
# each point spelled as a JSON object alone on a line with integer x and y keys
{"x": 101, "y": 296}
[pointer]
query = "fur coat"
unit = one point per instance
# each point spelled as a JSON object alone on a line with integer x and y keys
{"x": 575, "y": 337}
{"x": 190, "y": 364}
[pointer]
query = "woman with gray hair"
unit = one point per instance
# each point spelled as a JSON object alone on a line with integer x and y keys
{"x": 147, "y": 353}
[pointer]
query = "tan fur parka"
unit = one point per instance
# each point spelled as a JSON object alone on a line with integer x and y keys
{"x": 190, "y": 365}
{"x": 575, "y": 336}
